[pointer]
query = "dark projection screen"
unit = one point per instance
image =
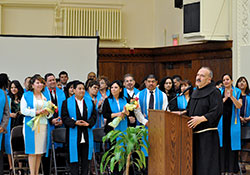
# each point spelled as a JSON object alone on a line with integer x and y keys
{"x": 192, "y": 18}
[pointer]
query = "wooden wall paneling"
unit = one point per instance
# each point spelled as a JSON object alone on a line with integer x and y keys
{"x": 111, "y": 70}
{"x": 219, "y": 67}
{"x": 160, "y": 71}
{"x": 141, "y": 70}
{"x": 166, "y": 61}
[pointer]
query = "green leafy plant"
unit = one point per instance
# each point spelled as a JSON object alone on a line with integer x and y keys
{"x": 123, "y": 145}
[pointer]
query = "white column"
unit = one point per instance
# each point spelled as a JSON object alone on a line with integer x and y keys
{"x": 240, "y": 33}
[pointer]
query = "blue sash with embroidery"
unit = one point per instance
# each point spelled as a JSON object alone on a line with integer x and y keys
{"x": 29, "y": 140}
{"x": 2, "y": 104}
{"x": 235, "y": 123}
{"x": 73, "y": 152}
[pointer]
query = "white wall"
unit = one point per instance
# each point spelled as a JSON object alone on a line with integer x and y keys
{"x": 145, "y": 23}
{"x": 37, "y": 17}
{"x": 27, "y": 20}
{"x": 168, "y": 22}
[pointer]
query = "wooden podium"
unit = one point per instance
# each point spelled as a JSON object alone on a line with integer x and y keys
{"x": 171, "y": 144}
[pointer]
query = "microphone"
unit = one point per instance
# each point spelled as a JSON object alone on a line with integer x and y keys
{"x": 188, "y": 88}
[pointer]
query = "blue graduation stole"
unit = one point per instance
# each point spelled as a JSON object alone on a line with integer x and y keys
{"x": 100, "y": 95}
{"x": 143, "y": 100}
{"x": 60, "y": 98}
{"x": 87, "y": 95}
{"x": 235, "y": 123}
{"x": 2, "y": 104}
{"x": 114, "y": 108}
{"x": 144, "y": 108}
{"x": 125, "y": 92}
{"x": 73, "y": 152}
{"x": 8, "y": 129}
{"x": 29, "y": 140}
{"x": 99, "y": 119}
{"x": 59, "y": 95}
{"x": 181, "y": 102}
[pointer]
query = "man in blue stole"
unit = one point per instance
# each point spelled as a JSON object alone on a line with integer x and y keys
{"x": 151, "y": 98}
{"x": 4, "y": 114}
{"x": 129, "y": 93}
{"x": 56, "y": 96}
{"x": 79, "y": 116}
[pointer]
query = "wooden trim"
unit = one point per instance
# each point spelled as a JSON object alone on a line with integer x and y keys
{"x": 184, "y": 60}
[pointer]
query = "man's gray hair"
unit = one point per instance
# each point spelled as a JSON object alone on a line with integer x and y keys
{"x": 210, "y": 71}
{"x": 129, "y": 75}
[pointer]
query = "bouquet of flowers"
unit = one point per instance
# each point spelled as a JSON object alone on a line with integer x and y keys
{"x": 133, "y": 104}
{"x": 50, "y": 107}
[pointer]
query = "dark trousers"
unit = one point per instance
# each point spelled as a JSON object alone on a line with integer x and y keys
{"x": 1, "y": 163}
{"x": 83, "y": 161}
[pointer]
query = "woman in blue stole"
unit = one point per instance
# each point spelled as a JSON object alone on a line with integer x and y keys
{"x": 242, "y": 84}
{"x": 36, "y": 141}
{"x": 16, "y": 118}
{"x": 182, "y": 100}
{"x": 167, "y": 86}
{"x": 114, "y": 106}
{"x": 102, "y": 94}
{"x": 79, "y": 117}
{"x": 4, "y": 114}
{"x": 229, "y": 127}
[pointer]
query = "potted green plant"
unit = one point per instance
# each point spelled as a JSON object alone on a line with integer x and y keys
{"x": 123, "y": 145}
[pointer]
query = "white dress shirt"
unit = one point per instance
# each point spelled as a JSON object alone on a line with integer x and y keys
{"x": 138, "y": 114}
{"x": 80, "y": 106}
{"x": 130, "y": 92}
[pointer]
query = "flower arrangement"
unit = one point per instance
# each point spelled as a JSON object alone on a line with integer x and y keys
{"x": 132, "y": 105}
{"x": 50, "y": 107}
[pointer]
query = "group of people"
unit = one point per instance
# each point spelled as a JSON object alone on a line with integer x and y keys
{"x": 217, "y": 111}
